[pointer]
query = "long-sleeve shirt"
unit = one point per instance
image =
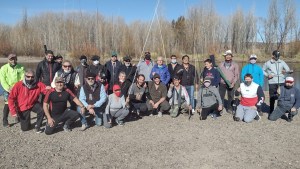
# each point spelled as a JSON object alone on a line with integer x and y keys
{"x": 289, "y": 97}
{"x": 173, "y": 94}
{"x": 275, "y": 69}
{"x": 214, "y": 74}
{"x": 232, "y": 72}
{"x": 114, "y": 104}
{"x": 189, "y": 76}
{"x": 256, "y": 71}
{"x": 99, "y": 103}
{"x": 11, "y": 75}
{"x": 208, "y": 96}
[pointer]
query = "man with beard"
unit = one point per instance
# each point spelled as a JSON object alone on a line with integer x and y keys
{"x": 113, "y": 69}
{"x": 93, "y": 97}
{"x": 23, "y": 99}
{"x": 145, "y": 66}
{"x": 10, "y": 73}
{"x": 58, "y": 111}
{"x": 288, "y": 101}
{"x": 157, "y": 94}
{"x": 251, "y": 95}
{"x": 128, "y": 68}
{"x": 46, "y": 69}
{"x": 231, "y": 70}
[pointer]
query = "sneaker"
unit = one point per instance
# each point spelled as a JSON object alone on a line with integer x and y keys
{"x": 66, "y": 128}
{"x": 83, "y": 127}
{"x": 120, "y": 122}
{"x": 257, "y": 117}
{"x": 38, "y": 130}
{"x": 193, "y": 111}
{"x": 159, "y": 114}
{"x": 289, "y": 117}
{"x": 236, "y": 118}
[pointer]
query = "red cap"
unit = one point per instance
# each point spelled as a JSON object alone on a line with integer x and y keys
{"x": 116, "y": 87}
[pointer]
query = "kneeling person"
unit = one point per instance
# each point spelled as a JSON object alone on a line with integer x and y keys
{"x": 58, "y": 111}
{"x": 93, "y": 97}
{"x": 208, "y": 99}
{"x": 251, "y": 95}
{"x": 178, "y": 98}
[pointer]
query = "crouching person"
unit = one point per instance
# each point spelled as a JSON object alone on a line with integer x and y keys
{"x": 251, "y": 95}
{"x": 288, "y": 101}
{"x": 157, "y": 94}
{"x": 58, "y": 112}
{"x": 208, "y": 100}
{"x": 178, "y": 98}
{"x": 115, "y": 108}
{"x": 93, "y": 97}
{"x": 137, "y": 95}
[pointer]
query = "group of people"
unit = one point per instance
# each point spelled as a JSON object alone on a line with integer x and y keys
{"x": 107, "y": 94}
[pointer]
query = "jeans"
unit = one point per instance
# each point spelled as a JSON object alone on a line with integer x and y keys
{"x": 5, "y": 108}
{"x": 245, "y": 113}
{"x": 191, "y": 90}
{"x": 98, "y": 116}
{"x": 279, "y": 111}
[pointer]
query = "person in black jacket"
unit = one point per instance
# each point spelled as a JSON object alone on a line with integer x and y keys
{"x": 46, "y": 69}
{"x": 124, "y": 84}
{"x": 175, "y": 68}
{"x": 128, "y": 68}
{"x": 96, "y": 67}
{"x": 82, "y": 69}
{"x": 113, "y": 69}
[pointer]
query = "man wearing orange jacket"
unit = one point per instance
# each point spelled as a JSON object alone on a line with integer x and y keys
{"x": 23, "y": 99}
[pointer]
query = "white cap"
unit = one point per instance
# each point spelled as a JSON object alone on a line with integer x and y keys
{"x": 228, "y": 52}
{"x": 252, "y": 56}
{"x": 289, "y": 79}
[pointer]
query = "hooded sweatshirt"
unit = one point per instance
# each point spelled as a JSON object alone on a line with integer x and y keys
{"x": 275, "y": 68}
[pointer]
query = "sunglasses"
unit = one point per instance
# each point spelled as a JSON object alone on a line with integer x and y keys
{"x": 252, "y": 58}
{"x": 290, "y": 82}
{"x": 90, "y": 78}
{"x": 32, "y": 77}
{"x": 67, "y": 66}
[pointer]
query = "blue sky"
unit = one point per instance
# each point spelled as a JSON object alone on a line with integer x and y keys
{"x": 130, "y": 10}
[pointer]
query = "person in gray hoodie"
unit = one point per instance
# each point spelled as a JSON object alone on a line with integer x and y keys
{"x": 275, "y": 70}
{"x": 145, "y": 66}
{"x": 288, "y": 101}
{"x": 208, "y": 99}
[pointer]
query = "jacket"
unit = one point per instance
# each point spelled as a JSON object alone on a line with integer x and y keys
{"x": 189, "y": 76}
{"x": 129, "y": 71}
{"x": 69, "y": 80}
{"x": 232, "y": 74}
{"x": 251, "y": 95}
{"x": 208, "y": 96}
{"x": 143, "y": 68}
{"x": 81, "y": 71}
{"x": 11, "y": 75}
{"x": 45, "y": 72}
{"x": 96, "y": 102}
{"x": 175, "y": 71}
{"x": 289, "y": 97}
{"x": 174, "y": 95}
{"x": 275, "y": 68}
{"x": 112, "y": 74}
{"x": 22, "y": 98}
{"x": 163, "y": 73}
{"x": 256, "y": 71}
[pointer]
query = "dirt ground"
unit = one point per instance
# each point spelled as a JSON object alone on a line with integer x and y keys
{"x": 154, "y": 142}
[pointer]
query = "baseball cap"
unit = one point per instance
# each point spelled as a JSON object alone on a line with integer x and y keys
{"x": 228, "y": 52}
{"x": 289, "y": 79}
{"x": 116, "y": 87}
{"x": 156, "y": 76}
{"x": 10, "y": 56}
{"x": 207, "y": 79}
{"x": 253, "y": 56}
{"x": 59, "y": 79}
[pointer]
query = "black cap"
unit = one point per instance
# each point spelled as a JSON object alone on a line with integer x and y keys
{"x": 156, "y": 76}
{"x": 83, "y": 57}
{"x": 176, "y": 77}
{"x": 95, "y": 57}
{"x": 90, "y": 74}
{"x": 102, "y": 75}
{"x": 127, "y": 58}
{"x": 276, "y": 53}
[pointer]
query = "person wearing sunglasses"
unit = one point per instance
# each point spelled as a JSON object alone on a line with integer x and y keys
{"x": 23, "y": 99}
{"x": 10, "y": 73}
{"x": 69, "y": 75}
{"x": 288, "y": 101}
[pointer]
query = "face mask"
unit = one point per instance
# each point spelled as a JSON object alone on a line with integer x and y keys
{"x": 96, "y": 62}
{"x": 83, "y": 61}
{"x": 247, "y": 83}
{"x": 29, "y": 81}
{"x": 118, "y": 93}
{"x": 252, "y": 61}
{"x": 147, "y": 57}
{"x": 173, "y": 61}
{"x": 67, "y": 71}
{"x": 206, "y": 84}
{"x": 127, "y": 64}
{"x": 159, "y": 66}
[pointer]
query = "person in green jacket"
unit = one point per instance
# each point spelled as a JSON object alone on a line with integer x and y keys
{"x": 10, "y": 73}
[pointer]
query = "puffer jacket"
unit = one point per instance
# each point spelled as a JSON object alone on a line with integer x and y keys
{"x": 163, "y": 73}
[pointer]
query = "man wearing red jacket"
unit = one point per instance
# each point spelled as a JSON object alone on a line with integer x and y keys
{"x": 23, "y": 99}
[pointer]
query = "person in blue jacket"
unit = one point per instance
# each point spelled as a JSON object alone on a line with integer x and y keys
{"x": 162, "y": 70}
{"x": 255, "y": 70}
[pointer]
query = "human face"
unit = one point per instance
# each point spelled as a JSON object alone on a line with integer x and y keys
{"x": 157, "y": 81}
{"x": 59, "y": 85}
{"x": 248, "y": 81}
{"x": 208, "y": 65}
{"x": 29, "y": 76}
{"x": 176, "y": 82}
{"x": 59, "y": 60}
{"x": 114, "y": 58}
{"x": 228, "y": 58}
{"x": 159, "y": 61}
{"x": 289, "y": 84}
{"x": 122, "y": 77}
{"x": 12, "y": 61}
{"x": 90, "y": 80}
{"x": 141, "y": 80}
{"x": 49, "y": 57}
{"x": 127, "y": 62}
{"x": 185, "y": 60}
{"x": 67, "y": 67}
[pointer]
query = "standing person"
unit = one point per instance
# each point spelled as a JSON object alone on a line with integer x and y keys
{"x": 178, "y": 98}
{"x": 232, "y": 73}
{"x": 189, "y": 79}
{"x": 82, "y": 70}
{"x": 208, "y": 100}
{"x": 288, "y": 101}
{"x": 116, "y": 108}
{"x": 255, "y": 70}
{"x": 96, "y": 66}
{"x": 46, "y": 69}
{"x": 251, "y": 95}
{"x": 156, "y": 95}
{"x": 213, "y": 73}
{"x": 69, "y": 75}
{"x": 161, "y": 69}
{"x": 10, "y": 73}
{"x": 113, "y": 69}
{"x": 93, "y": 97}
{"x": 174, "y": 68}
{"x": 58, "y": 111}
{"x": 128, "y": 68}
{"x": 145, "y": 66}
{"x": 275, "y": 70}
{"x": 23, "y": 99}
{"x": 58, "y": 59}
{"x": 137, "y": 94}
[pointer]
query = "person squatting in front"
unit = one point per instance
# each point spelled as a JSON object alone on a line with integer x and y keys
{"x": 251, "y": 96}
{"x": 208, "y": 100}
{"x": 93, "y": 97}
{"x": 288, "y": 101}
{"x": 116, "y": 108}
{"x": 178, "y": 98}
{"x": 58, "y": 112}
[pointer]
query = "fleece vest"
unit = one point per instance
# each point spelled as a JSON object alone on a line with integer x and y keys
{"x": 92, "y": 94}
